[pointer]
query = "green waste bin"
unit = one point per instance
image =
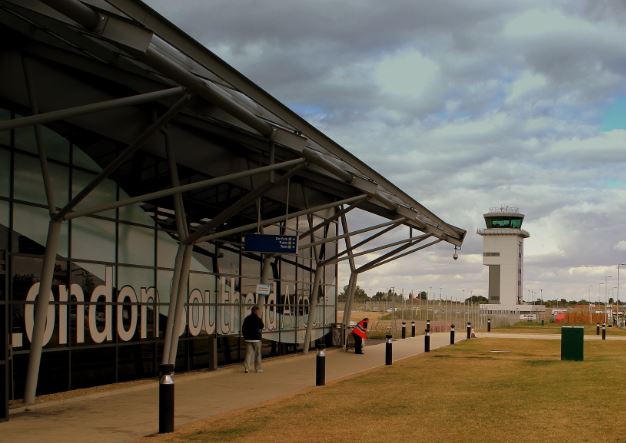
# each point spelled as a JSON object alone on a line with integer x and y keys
{"x": 572, "y": 339}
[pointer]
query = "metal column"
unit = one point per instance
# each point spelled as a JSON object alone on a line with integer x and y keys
{"x": 41, "y": 309}
{"x": 312, "y": 307}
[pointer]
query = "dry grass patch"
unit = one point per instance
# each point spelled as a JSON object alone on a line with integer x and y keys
{"x": 460, "y": 393}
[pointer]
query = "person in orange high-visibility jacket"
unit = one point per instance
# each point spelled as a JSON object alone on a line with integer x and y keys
{"x": 359, "y": 333}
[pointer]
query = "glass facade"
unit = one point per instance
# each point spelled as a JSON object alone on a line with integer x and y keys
{"x": 110, "y": 295}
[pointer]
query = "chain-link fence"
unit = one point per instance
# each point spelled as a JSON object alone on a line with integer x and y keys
{"x": 387, "y": 317}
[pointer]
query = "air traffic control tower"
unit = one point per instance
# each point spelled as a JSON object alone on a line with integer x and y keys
{"x": 503, "y": 252}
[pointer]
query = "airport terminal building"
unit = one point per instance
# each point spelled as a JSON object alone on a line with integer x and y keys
{"x": 150, "y": 194}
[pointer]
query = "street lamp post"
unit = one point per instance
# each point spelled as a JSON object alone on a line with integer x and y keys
{"x": 606, "y": 297}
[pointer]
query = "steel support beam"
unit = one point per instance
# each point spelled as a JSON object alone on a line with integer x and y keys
{"x": 410, "y": 241}
{"x": 61, "y": 114}
{"x": 41, "y": 309}
{"x": 419, "y": 248}
{"x": 182, "y": 188}
{"x": 328, "y": 221}
{"x": 399, "y": 249}
{"x": 344, "y": 226}
{"x": 179, "y": 313}
{"x": 119, "y": 160}
{"x": 357, "y": 232}
{"x": 312, "y": 307}
{"x": 240, "y": 204}
{"x": 266, "y": 277}
{"x": 169, "y": 326}
{"x": 45, "y": 173}
{"x": 77, "y": 11}
{"x": 271, "y": 221}
{"x": 347, "y": 310}
{"x": 369, "y": 239}
{"x": 183, "y": 258}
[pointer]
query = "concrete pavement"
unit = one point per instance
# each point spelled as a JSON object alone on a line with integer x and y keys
{"x": 127, "y": 413}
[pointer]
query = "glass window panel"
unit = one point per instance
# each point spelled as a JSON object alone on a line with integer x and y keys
{"x": 228, "y": 262}
{"x": 134, "y": 213}
{"x": 32, "y": 223}
{"x": 56, "y": 146}
{"x": 4, "y": 229}
{"x": 135, "y": 245}
{"x": 250, "y": 267}
{"x": 164, "y": 283}
{"x": 330, "y": 272}
{"x": 287, "y": 271}
{"x": 5, "y": 136}
{"x": 25, "y": 138}
{"x": 84, "y": 161}
{"x": 29, "y": 180}
{"x": 93, "y": 239}
{"x": 136, "y": 277}
{"x": 5, "y": 172}
{"x": 202, "y": 258}
{"x": 166, "y": 250}
{"x": 105, "y": 192}
{"x": 4, "y": 213}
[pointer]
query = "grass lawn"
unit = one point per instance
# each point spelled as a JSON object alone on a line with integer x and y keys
{"x": 455, "y": 394}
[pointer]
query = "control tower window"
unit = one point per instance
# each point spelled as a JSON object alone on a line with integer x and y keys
{"x": 504, "y": 222}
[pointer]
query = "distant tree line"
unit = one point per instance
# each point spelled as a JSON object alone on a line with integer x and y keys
{"x": 392, "y": 296}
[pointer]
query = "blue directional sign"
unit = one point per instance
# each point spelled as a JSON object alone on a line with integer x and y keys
{"x": 276, "y": 244}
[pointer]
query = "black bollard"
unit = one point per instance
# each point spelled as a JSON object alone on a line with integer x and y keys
{"x": 320, "y": 366}
{"x": 428, "y": 325}
{"x": 452, "y": 334}
{"x": 469, "y": 330}
{"x": 542, "y": 322}
{"x": 403, "y": 329}
{"x": 488, "y": 325}
{"x": 166, "y": 399}
{"x": 427, "y": 341}
{"x": 412, "y": 329}
{"x": 388, "y": 352}
{"x": 597, "y": 328}
{"x": 603, "y": 331}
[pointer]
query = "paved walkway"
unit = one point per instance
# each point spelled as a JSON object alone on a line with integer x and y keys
{"x": 126, "y": 414}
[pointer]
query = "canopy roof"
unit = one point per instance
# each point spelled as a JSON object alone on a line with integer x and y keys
{"x": 217, "y": 121}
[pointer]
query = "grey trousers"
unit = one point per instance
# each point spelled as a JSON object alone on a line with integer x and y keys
{"x": 253, "y": 356}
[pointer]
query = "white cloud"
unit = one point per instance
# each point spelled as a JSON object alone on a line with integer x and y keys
{"x": 464, "y": 105}
{"x": 526, "y": 85}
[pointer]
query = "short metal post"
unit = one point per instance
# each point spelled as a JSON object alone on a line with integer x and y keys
{"x": 412, "y": 329}
{"x": 320, "y": 366}
{"x": 488, "y": 325}
{"x": 403, "y": 329}
{"x": 542, "y": 322}
{"x": 388, "y": 351}
{"x": 597, "y": 328}
{"x": 452, "y": 334}
{"x": 469, "y": 330}
{"x": 428, "y": 325}
{"x": 427, "y": 341}
{"x": 166, "y": 399}
{"x": 603, "y": 331}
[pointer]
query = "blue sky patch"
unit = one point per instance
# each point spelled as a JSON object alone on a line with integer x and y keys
{"x": 615, "y": 115}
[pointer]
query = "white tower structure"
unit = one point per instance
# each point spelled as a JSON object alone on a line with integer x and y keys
{"x": 503, "y": 252}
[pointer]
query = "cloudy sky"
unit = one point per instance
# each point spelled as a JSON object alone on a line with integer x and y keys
{"x": 465, "y": 105}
